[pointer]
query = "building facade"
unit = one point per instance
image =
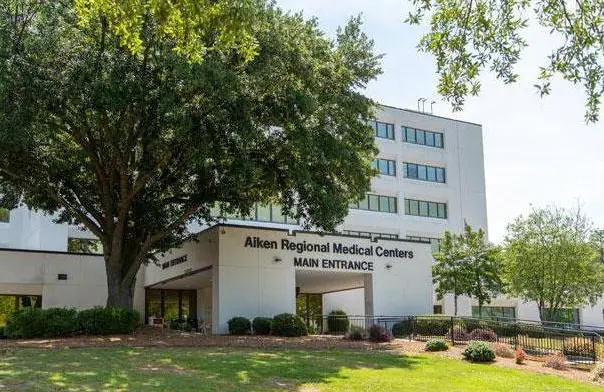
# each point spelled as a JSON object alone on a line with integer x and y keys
{"x": 431, "y": 180}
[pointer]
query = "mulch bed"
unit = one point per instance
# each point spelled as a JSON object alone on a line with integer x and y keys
{"x": 157, "y": 337}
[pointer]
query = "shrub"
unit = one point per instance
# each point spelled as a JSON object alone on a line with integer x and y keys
{"x": 287, "y": 324}
{"x": 578, "y": 347}
{"x": 402, "y": 328}
{"x": 2, "y": 335}
{"x": 483, "y": 334}
{"x": 436, "y": 345}
{"x": 41, "y": 323}
{"x": 506, "y": 329}
{"x": 555, "y": 361}
{"x": 337, "y": 321}
{"x": 262, "y": 325}
{"x": 520, "y": 356}
{"x": 356, "y": 333}
{"x": 432, "y": 325}
{"x": 379, "y": 334}
{"x": 597, "y": 374}
{"x": 503, "y": 350}
{"x": 479, "y": 352}
{"x": 107, "y": 321}
{"x": 458, "y": 335}
{"x": 240, "y": 326}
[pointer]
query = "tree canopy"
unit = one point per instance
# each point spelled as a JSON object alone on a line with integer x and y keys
{"x": 134, "y": 132}
{"x": 469, "y": 37}
{"x": 550, "y": 260}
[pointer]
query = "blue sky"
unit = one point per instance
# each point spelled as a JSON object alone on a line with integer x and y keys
{"x": 538, "y": 151}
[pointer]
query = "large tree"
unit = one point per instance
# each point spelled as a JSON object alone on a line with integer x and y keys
{"x": 468, "y": 37}
{"x": 550, "y": 260}
{"x": 134, "y": 136}
{"x": 467, "y": 264}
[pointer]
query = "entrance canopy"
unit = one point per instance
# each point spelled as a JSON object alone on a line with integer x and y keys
{"x": 316, "y": 282}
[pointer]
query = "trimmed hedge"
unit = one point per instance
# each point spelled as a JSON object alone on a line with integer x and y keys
{"x": 240, "y": 326}
{"x": 479, "y": 352}
{"x": 432, "y": 325}
{"x": 402, "y": 328}
{"x": 28, "y": 323}
{"x": 337, "y": 322}
{"x": 262, "y": 325}
{"x": 289, "y": 325}
{"x": 108, "y": 321}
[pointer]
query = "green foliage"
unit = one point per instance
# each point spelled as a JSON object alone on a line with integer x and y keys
{"x": 436, "y": 345}
{"x": 262, "y": 325}
{"x": 467, "y": 38}
{"x": 290, "y": 325}
{"x": 402, "y": 328}
{"x": 467, "y": 264}
{"x": 378, "y": 334}
{"x": 108, "y": 321}
{"x": 2, "y": 333}
{"x": 356, "y": 333}
{"x": 479, "y": 352}
{"x": 432, "y": 325}
{"x": 337, "y": 321}
{"x": 111, "y": 120}
{"x": 549, "y": 260}
{"x": 240, "y": 326}
{"x": 42, "y": 323}
{"x": 84, "y": 245}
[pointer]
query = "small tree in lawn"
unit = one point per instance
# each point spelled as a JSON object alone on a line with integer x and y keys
{"x": 549, "y": 259}
{"x": 450, "y": 273}
{"x": 484, "y": 263}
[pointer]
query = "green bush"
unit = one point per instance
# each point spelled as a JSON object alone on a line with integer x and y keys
{"x": 41, "y": 323}
{"x": 262, "y": 325}
{"x": 432, "y": 325}
{"x": 356, "y": 333}
{"x": 337, "y": 322}
{"x": 2, "y": 335}
{"x": 240, "y": 326}
{"x": 287, "y": 324}
{"x": 402, "y": 328}
{"x": 108, "y": 321}
{"x": 436, "y": 345}
{"x": 379, "y": 334}
{"x": 479, "y": 352}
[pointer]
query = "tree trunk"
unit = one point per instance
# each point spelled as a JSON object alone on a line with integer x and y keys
{"x": 120, "y": 290}
{"x": 455, "y": 303}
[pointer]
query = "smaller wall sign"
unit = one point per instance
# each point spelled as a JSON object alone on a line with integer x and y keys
{"x": 172, "y": 263}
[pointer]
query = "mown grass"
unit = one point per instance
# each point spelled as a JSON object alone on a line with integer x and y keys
{"x": 210, "y": 369}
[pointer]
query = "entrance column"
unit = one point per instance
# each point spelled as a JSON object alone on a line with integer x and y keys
{"x": 368, "y": 292}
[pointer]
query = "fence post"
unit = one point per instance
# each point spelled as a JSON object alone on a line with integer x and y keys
{"x": 593, "y": 348}
{"x": 452, "y": 331}
{"x": 412, "y": 335}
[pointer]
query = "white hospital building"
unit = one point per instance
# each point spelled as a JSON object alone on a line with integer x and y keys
{"x": 378, "y": 263}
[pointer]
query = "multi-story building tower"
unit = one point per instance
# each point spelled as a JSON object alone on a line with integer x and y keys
{"x": 431, "y": 180}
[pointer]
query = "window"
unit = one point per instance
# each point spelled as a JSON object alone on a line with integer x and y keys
{"x": 367, "y": 234}
{"x": 4, "y": 215}
{"x": 382, "y": 129}
{"x": 386, "y": 167}
{"x": 261, "y": 213}
{"x": 423, "y": 172}
{"x": 438, "y": 309}
{"x": 425, "y": 208}
{"x": 495, "y": 312}
{"x": 565, "y": 316}
{"x": 425, "y": 138}
{"x": 434, "y": 242}
{"x": 84, "y": 245}
{"x": 376, "y": 203}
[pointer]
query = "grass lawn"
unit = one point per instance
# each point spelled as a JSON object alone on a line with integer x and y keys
{"x": 211, "y": 369}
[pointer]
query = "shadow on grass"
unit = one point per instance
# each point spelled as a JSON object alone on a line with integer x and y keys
{"x": 185, "y": 369}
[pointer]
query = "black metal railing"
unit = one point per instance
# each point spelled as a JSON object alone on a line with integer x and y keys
{"x": 537, "y": 339}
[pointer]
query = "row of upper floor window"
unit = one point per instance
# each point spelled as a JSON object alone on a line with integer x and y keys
{"x": 411, "y": 135}
{"x": 434, "y": 242}
{"x": 382, "y": 203}
{"x": 387, "y": 167}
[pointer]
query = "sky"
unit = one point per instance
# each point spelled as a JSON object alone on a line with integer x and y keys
{"x": 538, "y": 151}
